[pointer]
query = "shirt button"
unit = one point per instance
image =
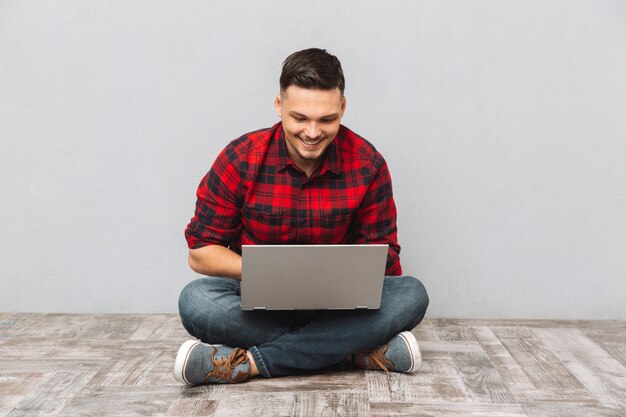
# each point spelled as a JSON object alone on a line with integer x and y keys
{"x": 302, "y": 222}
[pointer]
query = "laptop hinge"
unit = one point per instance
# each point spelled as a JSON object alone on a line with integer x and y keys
{"x": 259, "y": 308}
{"x": 361, "y": 307}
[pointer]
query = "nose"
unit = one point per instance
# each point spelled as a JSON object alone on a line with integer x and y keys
{"x": 312, "y": 130}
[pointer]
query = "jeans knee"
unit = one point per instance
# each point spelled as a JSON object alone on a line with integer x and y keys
{"x": 419, "y": 296}
{"x": 187, "y": 302}
{"x": 199, "y": 312}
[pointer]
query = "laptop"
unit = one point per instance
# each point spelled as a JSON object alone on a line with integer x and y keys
{"x": 312, "y": 277}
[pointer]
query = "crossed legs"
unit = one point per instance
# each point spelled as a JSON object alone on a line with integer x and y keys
{"x": 286, "y": 343}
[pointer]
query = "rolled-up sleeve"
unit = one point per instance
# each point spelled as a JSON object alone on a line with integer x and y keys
{"x": 218, "y": 206}
{"x": 375, "y": 221}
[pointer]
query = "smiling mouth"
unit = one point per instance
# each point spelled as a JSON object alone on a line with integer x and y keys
{"x": 311, "y": 143}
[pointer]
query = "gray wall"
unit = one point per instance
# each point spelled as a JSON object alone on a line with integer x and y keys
{"x": 503, "y": 123}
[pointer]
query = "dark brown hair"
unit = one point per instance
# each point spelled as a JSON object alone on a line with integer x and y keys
{"x": 312, "y": 68}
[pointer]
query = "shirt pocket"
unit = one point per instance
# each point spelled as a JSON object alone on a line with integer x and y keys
{"x": 264, "y": 227}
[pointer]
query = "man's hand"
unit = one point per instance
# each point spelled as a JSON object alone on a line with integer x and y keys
{"x": 216, "y": 261}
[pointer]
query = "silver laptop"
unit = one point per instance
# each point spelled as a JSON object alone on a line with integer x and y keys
{"x": 312, "y": 277}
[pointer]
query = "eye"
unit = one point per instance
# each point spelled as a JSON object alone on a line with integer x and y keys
{"x": 329, "y": 120}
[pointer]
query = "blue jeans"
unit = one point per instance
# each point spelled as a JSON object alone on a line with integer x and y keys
{"x": 296, "y": 342}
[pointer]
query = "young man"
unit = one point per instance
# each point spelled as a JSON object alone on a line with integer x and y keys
{"x": 305, "y": 180}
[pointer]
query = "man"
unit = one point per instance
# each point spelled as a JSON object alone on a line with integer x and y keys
{"x": 305, "y": 180}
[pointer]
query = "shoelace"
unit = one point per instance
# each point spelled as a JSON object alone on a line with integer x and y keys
{"x": 224, "y": 367}
{"x": 377, "y": 357}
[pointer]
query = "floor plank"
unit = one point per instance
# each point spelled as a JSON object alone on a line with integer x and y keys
{"x": 482, "y": 380}
{"x": 612, "y": 340}
{"x": 122, "y": 401}
{"x": 330, "y": 404}
{"x": 14, "y": 387}
{"x": 121, "y": 365}
{"x": 541, "y": 365}
{"x": 438, "y": 381}
{"x": 440, "y": 410}
{"x": 515, "y": 377}
{"x": 601, "y": 374}
{"x": 52, "y": 395}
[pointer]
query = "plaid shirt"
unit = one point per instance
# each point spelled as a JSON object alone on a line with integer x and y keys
{"x": 255, "y": 194}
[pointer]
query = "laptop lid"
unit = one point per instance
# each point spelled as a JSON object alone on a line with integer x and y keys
{"x": 312, "y": 277}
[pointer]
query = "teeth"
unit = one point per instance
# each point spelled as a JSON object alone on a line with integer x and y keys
{"x": 311, "y": 142}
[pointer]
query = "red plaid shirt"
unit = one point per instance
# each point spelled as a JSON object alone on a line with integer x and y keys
{"x": 255, "y": 194}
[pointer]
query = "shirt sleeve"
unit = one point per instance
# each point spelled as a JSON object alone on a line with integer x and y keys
{"x": 218, "y": 207}
{"x": 375, "y": 221}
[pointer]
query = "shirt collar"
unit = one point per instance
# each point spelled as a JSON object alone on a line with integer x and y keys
{"x": 330, "y": 160}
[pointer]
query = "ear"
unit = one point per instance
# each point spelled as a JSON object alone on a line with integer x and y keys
{"x": 278, "y": 106}
{"x": 343, "y": 105}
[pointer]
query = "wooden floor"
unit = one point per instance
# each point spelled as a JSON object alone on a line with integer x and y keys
{"x": 120, "y": 365}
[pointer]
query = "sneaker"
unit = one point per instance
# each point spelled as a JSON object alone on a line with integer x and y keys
{"x": 200, "y": 363}
{"x": 400, "y": 354}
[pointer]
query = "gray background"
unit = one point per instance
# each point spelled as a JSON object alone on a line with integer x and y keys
{"x": 503, "y": 123}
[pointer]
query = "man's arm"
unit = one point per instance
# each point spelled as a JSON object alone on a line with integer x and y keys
{"x": 375, "y": 221}
{"x": 216, "y": 261}
{"x": 216, "y": 221}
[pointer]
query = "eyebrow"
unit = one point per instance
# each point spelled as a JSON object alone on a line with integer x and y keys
{"x": 328, "y": 116}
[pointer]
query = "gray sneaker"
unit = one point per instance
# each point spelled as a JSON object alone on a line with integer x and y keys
{"x": 200, "y": 363}
{"x": 400, "y": 354}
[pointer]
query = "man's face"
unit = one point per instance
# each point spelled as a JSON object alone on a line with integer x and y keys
{"x": 311, "y": 120}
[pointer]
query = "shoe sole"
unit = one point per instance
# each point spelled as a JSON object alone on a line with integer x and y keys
{"x": 181, "y": 360}
{"x": 414, "y": 349}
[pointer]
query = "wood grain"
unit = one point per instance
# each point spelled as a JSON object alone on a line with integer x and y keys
{"x": 540, "y": 364}
{"x": 482, "y": 380}
{"x": 440, "y": 410}
{"x": 121, "y": 365}
{"x": 601, "y": 374}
